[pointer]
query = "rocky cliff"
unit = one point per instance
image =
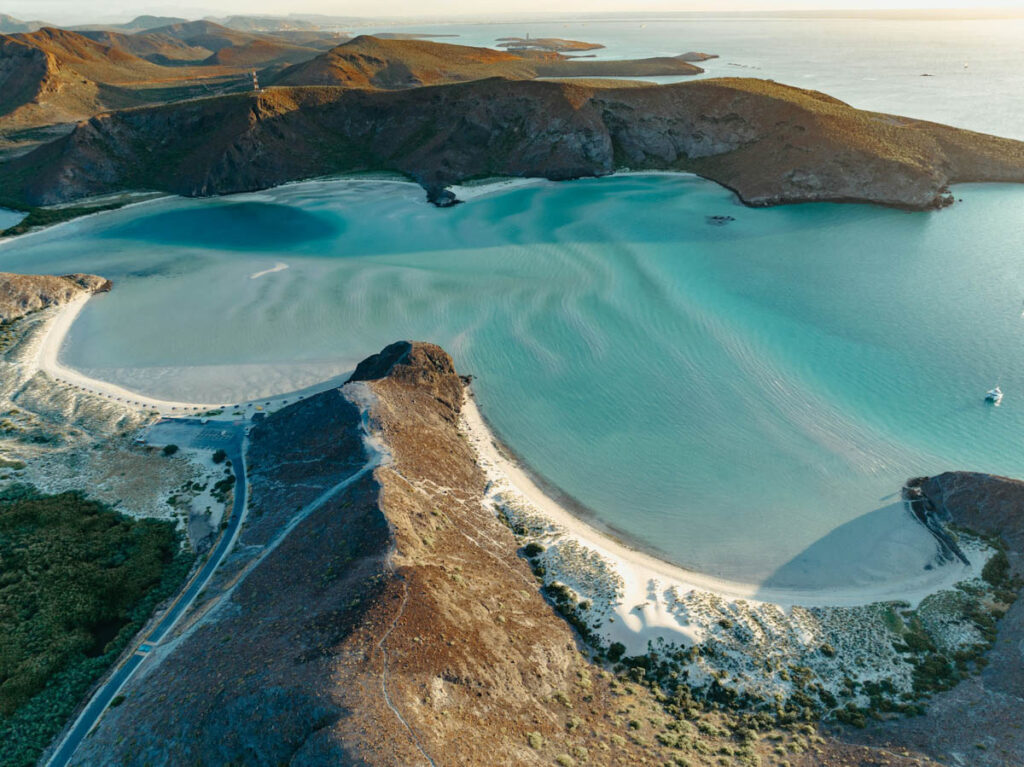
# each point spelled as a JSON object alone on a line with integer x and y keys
{"x": 770, "y": 143}
{"x": 24, "y": 293}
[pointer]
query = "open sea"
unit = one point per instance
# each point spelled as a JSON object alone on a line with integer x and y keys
{"x": 728, "y": 396}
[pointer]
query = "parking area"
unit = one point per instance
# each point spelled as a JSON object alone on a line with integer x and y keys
{"x": 193, "y": 433}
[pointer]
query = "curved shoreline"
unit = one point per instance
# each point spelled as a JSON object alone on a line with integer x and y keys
{"x": 646, "y": 565}
{"x": 638, "y": 612}
{"x": 47, "y": 360}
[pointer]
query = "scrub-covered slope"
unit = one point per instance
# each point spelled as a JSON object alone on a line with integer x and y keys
{"x": 771, "y": 143}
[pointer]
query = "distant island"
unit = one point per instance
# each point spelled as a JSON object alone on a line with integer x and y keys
{"x": 555, "y": 44}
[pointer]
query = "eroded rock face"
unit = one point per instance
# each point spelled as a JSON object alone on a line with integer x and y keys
{"x": 24, "y": 293}
{"x": 772, "y": 144}
{"x": 424, "y": 367}
{"x": 983, "y": 502}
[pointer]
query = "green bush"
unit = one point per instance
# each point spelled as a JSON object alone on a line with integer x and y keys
{"x": 532, "y": 550}
{"x": 219, "y": 456}
{"x": 170, "y": 449}
{"x": 997, "y": 570}
{"x": 77, "y": 581}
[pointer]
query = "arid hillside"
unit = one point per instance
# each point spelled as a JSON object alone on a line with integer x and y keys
{"x": 234, "y": 48}
{"x": 54, "y": 76}
{"x": 48, "y": 77}
{"x": 772, "y": 144}
{"x": 393, "y": 63}
{"x": 153, "y": 46}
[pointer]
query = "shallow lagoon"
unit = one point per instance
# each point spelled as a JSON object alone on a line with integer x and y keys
{"x": 726, "y": 395}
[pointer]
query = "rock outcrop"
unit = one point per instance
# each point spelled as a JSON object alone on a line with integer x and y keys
{"x": 978, "y": 721}
{"x": 771, "y": 143}
{"x": 21, "y": 294}
{"x": 393, "y": 64}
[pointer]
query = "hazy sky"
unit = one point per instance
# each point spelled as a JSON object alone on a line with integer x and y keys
{"x": 73, "y": 11}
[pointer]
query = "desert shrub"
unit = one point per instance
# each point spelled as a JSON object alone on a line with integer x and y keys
{"x": 170, "y": 449}
{"x": 616, "y": 651}
{"x": 997, "y": 570}
{"x": 532, "y": 550}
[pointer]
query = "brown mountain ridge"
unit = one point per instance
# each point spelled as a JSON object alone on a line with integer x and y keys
{"x": 393, "y": 63}
{"x": 771, "y": 143}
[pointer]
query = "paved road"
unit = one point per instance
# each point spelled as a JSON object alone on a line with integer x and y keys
{"x": 184, "y": 433}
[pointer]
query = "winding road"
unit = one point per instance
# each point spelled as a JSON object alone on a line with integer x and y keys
{"x": 227, "y": 436}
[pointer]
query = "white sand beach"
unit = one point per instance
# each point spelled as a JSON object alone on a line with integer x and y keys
{"x": 638, "y": 593}
{"x": 645, "y": 608}
{"x": 285, "y": 389}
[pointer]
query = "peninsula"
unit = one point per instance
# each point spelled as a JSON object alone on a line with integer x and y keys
{"x": 770, "y": 143}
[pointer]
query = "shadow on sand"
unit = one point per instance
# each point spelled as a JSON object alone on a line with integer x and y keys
{"x": 875, "y": 548}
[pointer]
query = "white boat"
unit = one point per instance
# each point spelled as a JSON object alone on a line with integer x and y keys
{"x": 994, "y": 395}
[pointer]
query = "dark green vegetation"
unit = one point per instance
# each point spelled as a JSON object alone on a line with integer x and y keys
{"x": 77, "y": 581}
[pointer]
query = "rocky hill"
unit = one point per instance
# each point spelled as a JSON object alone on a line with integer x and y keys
{"x": 771, "y": 143}
{"x": 54, "y": 76}
{"x": 231, "y": 47}
{"x": 89, "y": 58}
{"x": 21, "y": 294}
{"x": 393, "y": 63}
{"x": 392, "y": 622}
{"x": 153, "y": 46}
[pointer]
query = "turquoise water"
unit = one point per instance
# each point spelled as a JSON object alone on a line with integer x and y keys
{"x": 727, "y": 395}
